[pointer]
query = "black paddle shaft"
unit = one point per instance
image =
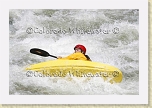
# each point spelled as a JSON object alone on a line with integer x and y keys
{"x": 41, "y": 52}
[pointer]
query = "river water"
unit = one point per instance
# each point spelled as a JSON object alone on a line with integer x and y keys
{"x": 110, "y": 36}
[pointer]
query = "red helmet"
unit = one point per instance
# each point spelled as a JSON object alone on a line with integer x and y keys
{"x": 81, "y": 47}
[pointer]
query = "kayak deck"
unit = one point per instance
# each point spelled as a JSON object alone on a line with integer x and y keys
{"x": 78, "y": 68}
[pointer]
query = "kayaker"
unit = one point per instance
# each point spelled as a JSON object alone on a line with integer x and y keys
{"x": 79, "y": 54}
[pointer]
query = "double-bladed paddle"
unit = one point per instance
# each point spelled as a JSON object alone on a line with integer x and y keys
{"x": 41, "y": 52}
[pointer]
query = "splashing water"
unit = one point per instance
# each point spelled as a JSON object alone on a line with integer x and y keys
{"x": 110, "y": 36}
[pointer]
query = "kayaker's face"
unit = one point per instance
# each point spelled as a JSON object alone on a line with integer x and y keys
{"x": 77, "y": 50}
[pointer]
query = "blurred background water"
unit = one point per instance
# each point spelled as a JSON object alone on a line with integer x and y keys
{"x": 110, "y": 36}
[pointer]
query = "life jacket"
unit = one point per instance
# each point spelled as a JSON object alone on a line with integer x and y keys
{"x": 76, "y": 56}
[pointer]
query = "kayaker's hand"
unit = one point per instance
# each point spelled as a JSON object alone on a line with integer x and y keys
{"x": 59, "y": 57}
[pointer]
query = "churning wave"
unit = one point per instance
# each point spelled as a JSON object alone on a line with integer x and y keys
{"x": 110, "y": 36}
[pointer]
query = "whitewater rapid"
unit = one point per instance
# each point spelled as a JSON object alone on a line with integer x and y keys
{"x": 110, "y": 36}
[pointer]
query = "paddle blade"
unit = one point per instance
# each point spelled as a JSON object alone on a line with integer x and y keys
{"x": 39, "y": 52}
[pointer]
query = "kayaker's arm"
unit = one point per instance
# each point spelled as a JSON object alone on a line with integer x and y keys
{"x": 76, "y": 56}
{"x": 59, "y": 57}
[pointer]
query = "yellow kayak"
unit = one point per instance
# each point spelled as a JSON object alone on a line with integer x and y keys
{"x": 78, "y": 68}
